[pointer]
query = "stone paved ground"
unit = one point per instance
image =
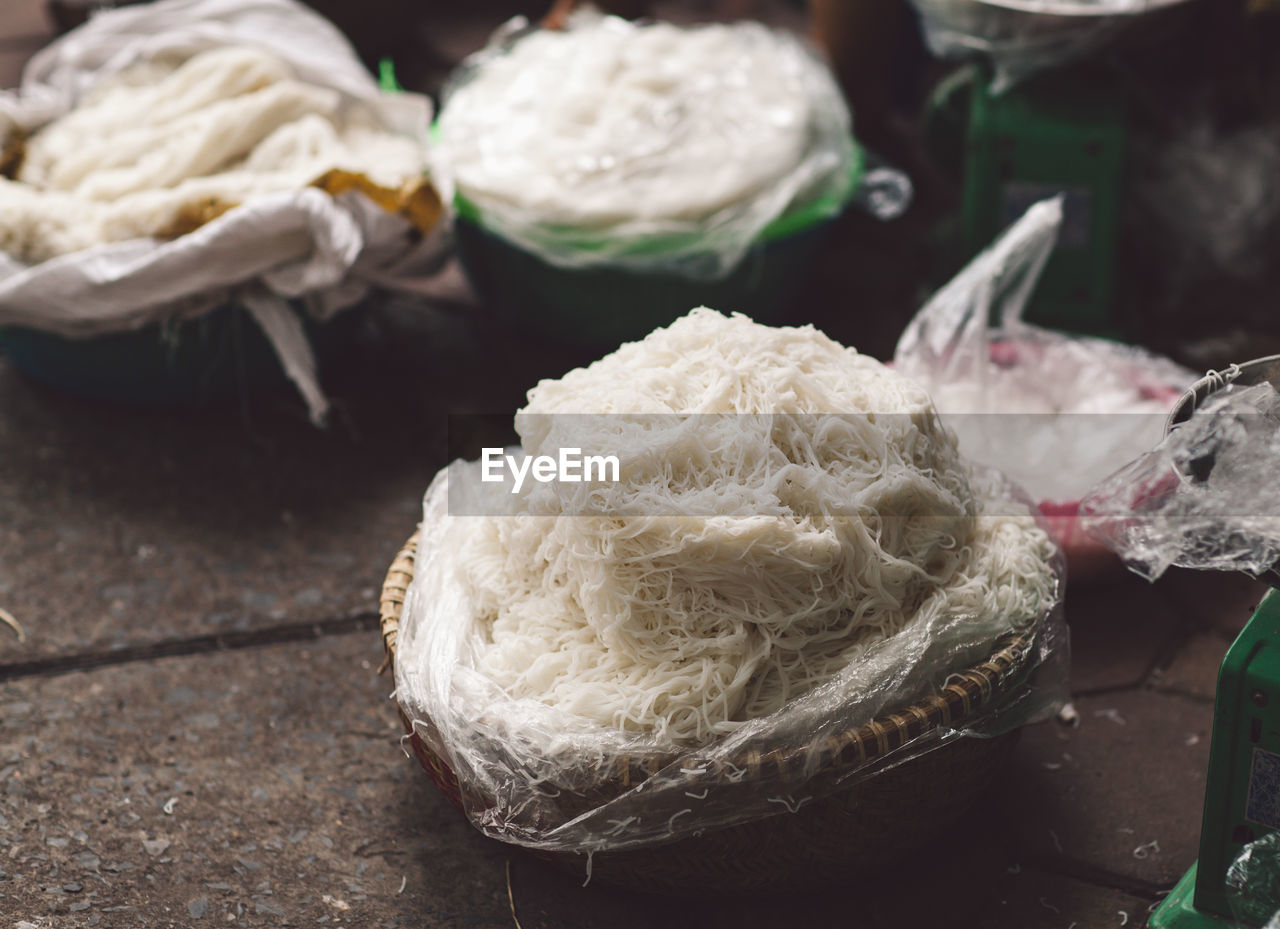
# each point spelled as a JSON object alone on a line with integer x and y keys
{"x": 192, "y": 732}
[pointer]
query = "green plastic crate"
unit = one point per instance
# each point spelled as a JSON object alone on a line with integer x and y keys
{"x": 1060, "y": 133}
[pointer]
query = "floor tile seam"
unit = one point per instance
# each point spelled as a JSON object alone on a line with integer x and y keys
{"x": 1189, "y": 696}
{"x": 209, "y": 643}
{"x": 1146, "y": 687}
{"x": 1095, "y": 876}
{"x": 23, "y": 43}
{"x": 1167, "y": 656}
{"x": 1107, "y": 690}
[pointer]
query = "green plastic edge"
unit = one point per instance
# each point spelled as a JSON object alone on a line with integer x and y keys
{"x": 387, "y": 78}
{"x": 815, "y": 211}
{"x": 788, "y": 224}
{"x": 1178, "y": 910}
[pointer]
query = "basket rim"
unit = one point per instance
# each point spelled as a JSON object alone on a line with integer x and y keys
{"x": 964, "y": 694}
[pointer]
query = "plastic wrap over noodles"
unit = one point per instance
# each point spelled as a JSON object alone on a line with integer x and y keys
{"x": 1022, "y": 37}
{"x": 600, "y": 681}
{"x": 1055, "y": 412}
{"x": 651, "y": 147}
{"x": 538, "y": 776}
{"x": 1253, "y": 883}
{"x": 1205, "y": 497}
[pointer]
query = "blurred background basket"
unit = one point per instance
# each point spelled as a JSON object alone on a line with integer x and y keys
{"x": 211, "y": 360}
{"x": 603, "y": 305}
{"x": 869, "y": 823}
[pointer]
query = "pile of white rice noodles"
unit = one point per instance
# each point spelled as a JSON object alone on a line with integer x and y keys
{"x": 645, "y": 146}
{"x": 794, "y": 547}
{"x": 170, "y": 142}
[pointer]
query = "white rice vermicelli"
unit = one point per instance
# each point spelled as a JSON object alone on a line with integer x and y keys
{"x": 611, "y": 131}
{"x": 790, "y": 505}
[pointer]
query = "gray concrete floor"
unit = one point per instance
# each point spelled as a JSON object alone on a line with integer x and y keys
{"x": 192, "y": 731}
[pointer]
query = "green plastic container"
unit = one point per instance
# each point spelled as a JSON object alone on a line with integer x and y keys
{"x": 210, "y": 360}
{"x": 604, "y": 305}
{"x": 1060, "y": 133}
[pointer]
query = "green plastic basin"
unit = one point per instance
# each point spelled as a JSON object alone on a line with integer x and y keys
{"x": 603, "y": 305}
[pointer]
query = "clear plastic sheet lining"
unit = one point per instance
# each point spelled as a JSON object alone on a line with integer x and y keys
{"x": 1206, "y": 497}
{"x": 536, "y": 776}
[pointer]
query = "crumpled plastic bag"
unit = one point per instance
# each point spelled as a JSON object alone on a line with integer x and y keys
{"x": 1022, "y": 37}
{"x": 327, "y": 252}
{"x": 1055, "y": 412}
{"x": 1253, "y": 883}
{"x": 1205, "y": 497}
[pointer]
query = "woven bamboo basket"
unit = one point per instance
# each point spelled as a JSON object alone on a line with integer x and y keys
{"x": 869, "y": 823}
